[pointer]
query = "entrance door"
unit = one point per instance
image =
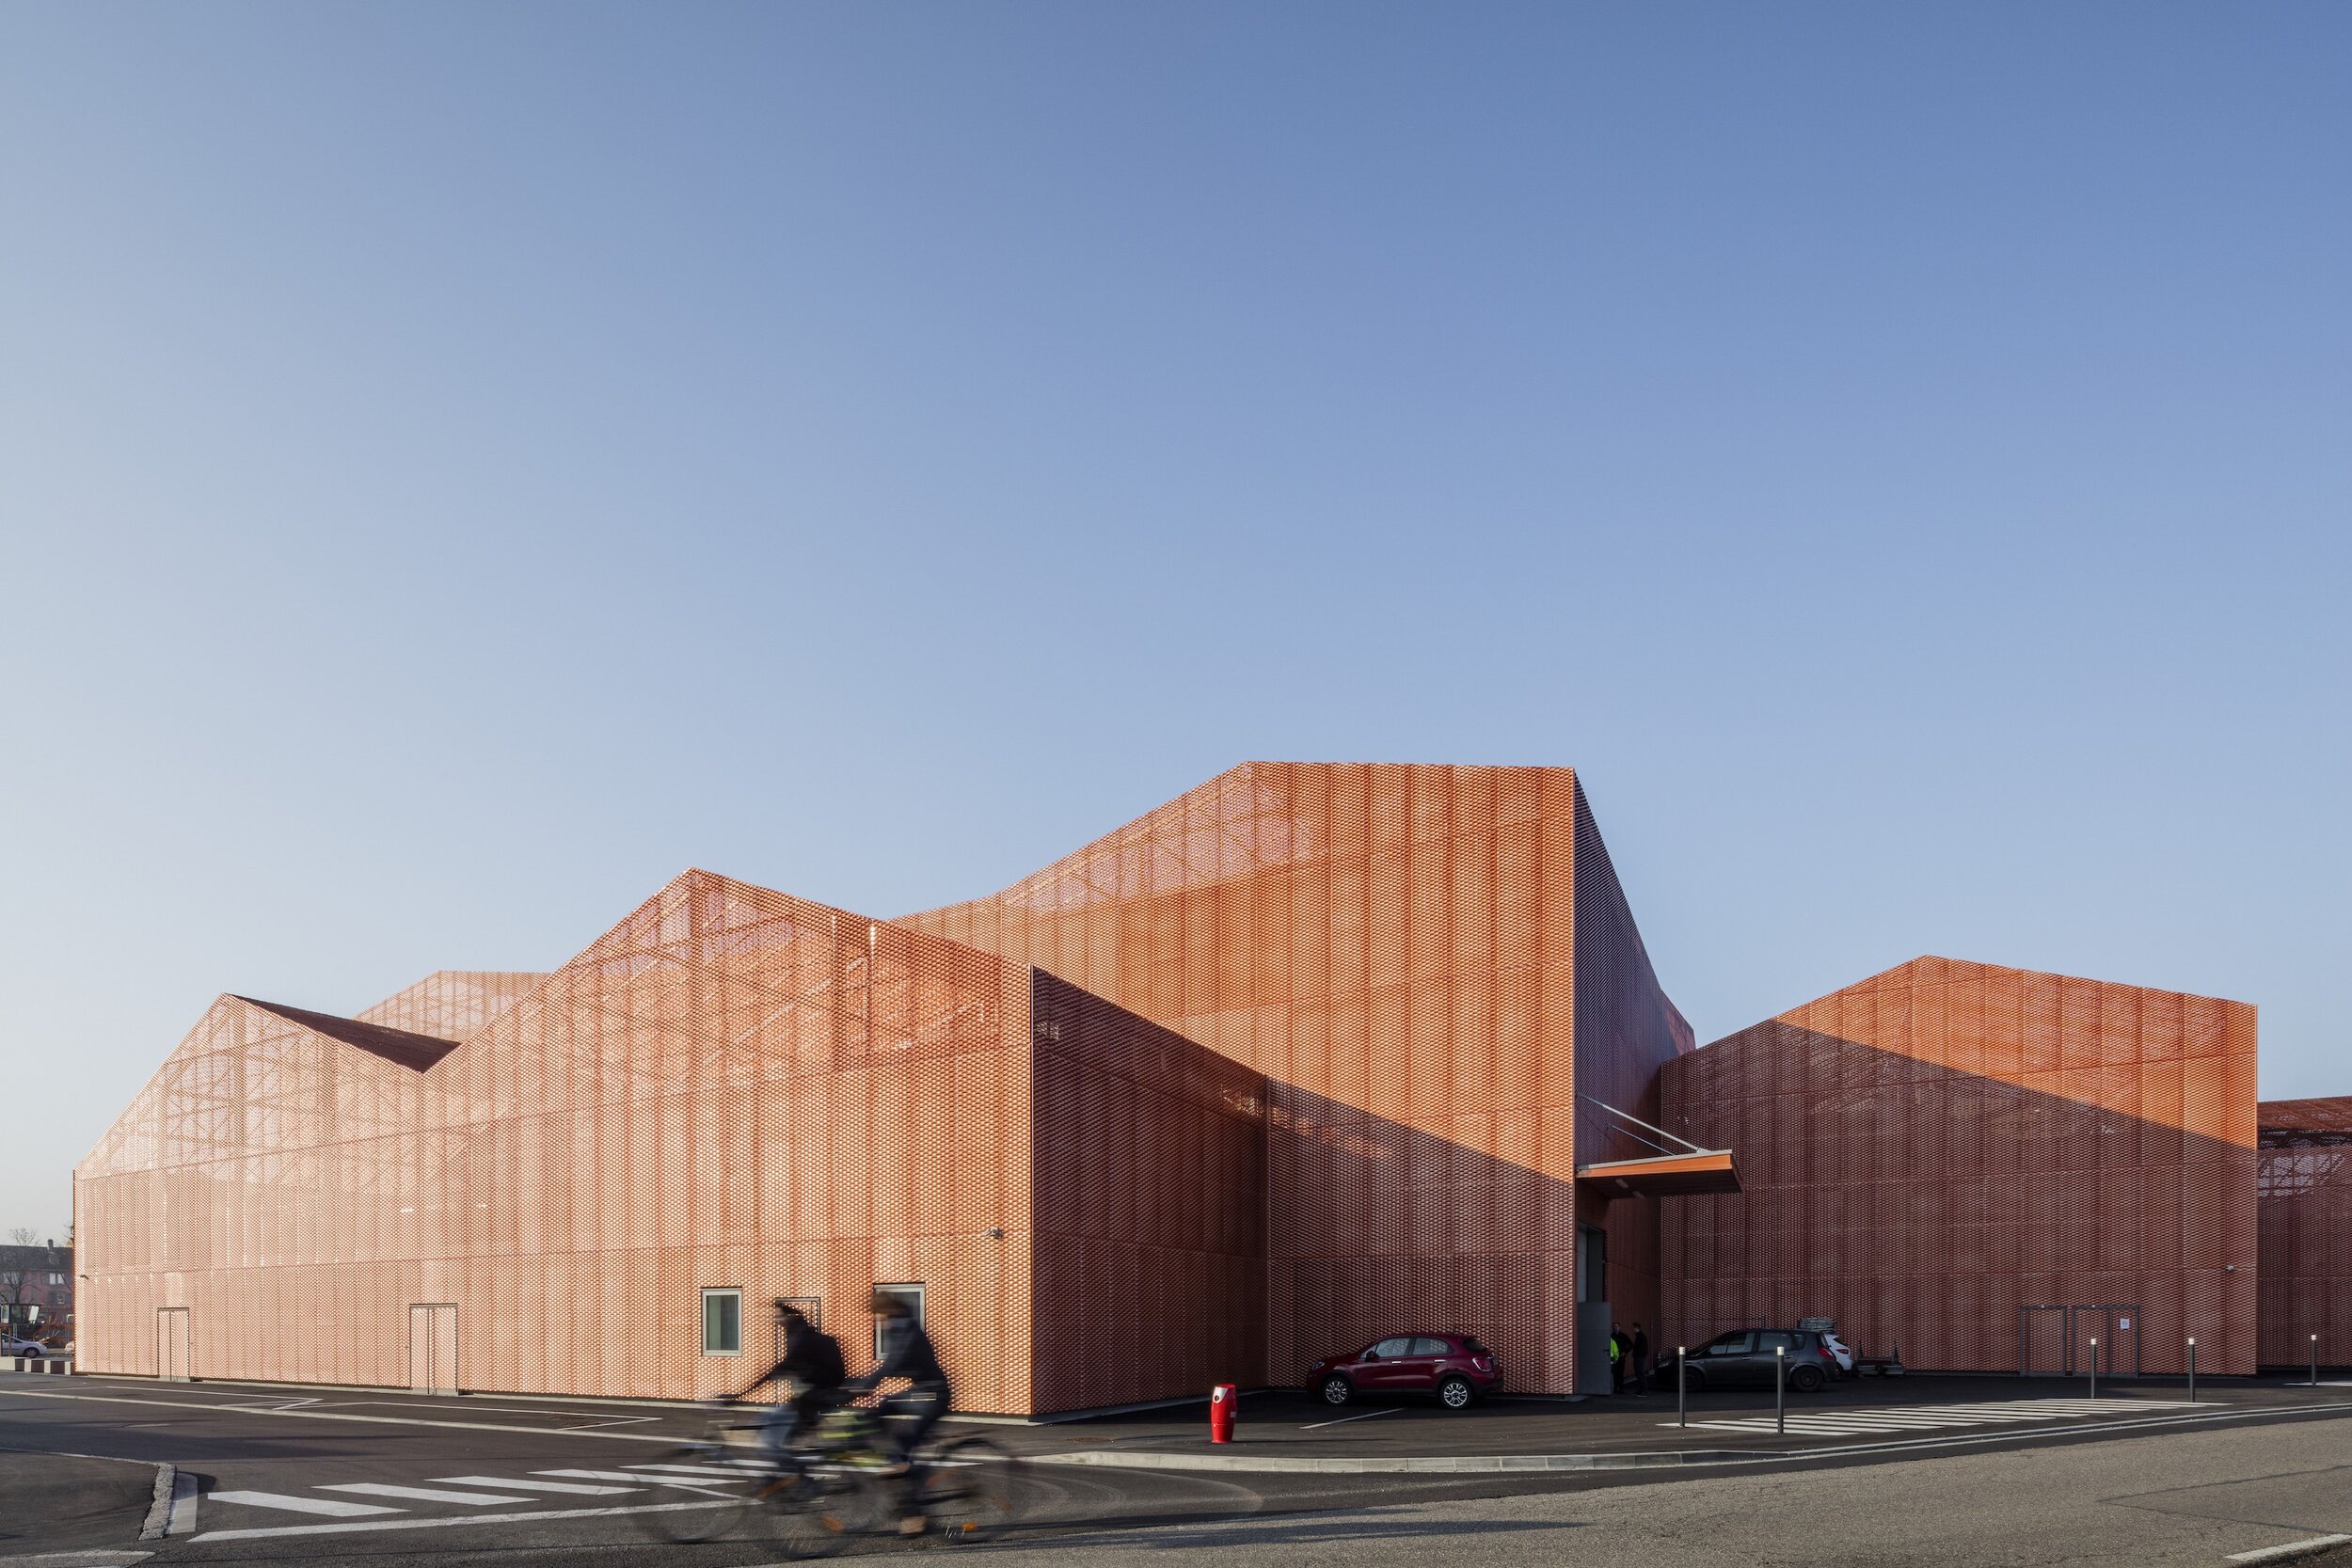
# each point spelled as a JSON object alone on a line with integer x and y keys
{"x": 2116, "y": 1329}
{"x": 171, "y": 1344}
{"x": 433, "y": 1348}
{"x": 2043, "y": 1349}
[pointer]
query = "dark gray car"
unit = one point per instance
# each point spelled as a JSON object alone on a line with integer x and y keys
{"x": 1745, "y": 1358}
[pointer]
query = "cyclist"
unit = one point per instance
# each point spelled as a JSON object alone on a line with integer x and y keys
{"x": 909, "y": 1414}
{"x": 812, "y": 1364}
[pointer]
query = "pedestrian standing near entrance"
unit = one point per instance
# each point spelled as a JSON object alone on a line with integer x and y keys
{"x": 1641, "y": 1360}
{"x": 1616, "y": 1361}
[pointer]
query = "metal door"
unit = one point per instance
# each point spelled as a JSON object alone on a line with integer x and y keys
{"x": 433, "y": 1348}
{"x": 2116, "y": 1326}
{"x": 171, "y": 1344}
{"x": 1593, "y": 1323}
{"x": 2045, "y": 1347}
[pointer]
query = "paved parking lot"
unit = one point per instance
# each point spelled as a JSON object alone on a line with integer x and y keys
{"x": 1291, "y": 1425}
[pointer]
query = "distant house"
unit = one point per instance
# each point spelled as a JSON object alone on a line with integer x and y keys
{"x": 36, "y": 1284}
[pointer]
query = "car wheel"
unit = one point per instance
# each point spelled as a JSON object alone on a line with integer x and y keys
{"x": 1337, "y": 1390}
{"x": 1694, "y": 1381}
{"x": 1805, "y": 1380}
{"x": 1456, "y": 1393}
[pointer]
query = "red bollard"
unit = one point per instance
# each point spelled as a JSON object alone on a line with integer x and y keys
{"x": 1223, "y": 1402}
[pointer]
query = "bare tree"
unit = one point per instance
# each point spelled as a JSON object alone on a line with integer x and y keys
{"x": 16, "y": 1279}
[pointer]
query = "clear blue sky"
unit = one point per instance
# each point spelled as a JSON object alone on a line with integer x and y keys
{"x": 462, "y": 464}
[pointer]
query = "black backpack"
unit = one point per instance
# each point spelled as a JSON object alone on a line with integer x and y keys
{"x": 826, "y": 1369}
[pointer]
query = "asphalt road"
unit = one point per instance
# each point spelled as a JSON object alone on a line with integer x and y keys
{"x": 2190, "y": 1499}
{"x": 292, "y": 1477}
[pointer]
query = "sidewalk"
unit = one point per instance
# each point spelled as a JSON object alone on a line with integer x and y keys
{"x": 1284, "y": 1430}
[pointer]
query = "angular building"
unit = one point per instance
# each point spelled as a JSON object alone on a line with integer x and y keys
{"x": 1313, "y": 1053}
{"x": 1981, "y": 1168}
{"x": 2303, "y": 1177}
{"x": 1310, "y": 1055}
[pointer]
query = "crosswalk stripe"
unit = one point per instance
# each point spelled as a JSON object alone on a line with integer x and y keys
{"x": 693, "y": 1483}
{"x": 533, "y": 1485}
{"x": 688, "y": 1470}
{"x": 335, "y": 1506}
{"x": 425, "y": 1494}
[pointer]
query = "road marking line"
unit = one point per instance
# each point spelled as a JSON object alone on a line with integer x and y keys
{"x": 2293, "y": 1549}
{"x": 180, "y": 1519}
{"x": 692, "y": 1470}
{"x": 533, "y": 1485}
{"x": 343, "y": 1415}
{"x": 424, "y": 1494}
{"x": 1344, "y": 1420}
{"x": 334, "y": 1506}
{"x": 475, "y": 1519}
{"x": 706, "y": 1487}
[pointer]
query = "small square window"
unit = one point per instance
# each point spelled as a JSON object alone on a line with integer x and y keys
{"x": 912, "y": 1296}
{"x": 722, "y": 1323}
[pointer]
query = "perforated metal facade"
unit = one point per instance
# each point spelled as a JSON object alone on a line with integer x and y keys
{"x": 2304, "y": 1198}
{"x": 1400, "y": 955}
{"x": 1297, "y": 1067}
{"x": 1311, "y": 1054}
{"x": 1928, "y": 1152}
{"x": 732, "y": 1088}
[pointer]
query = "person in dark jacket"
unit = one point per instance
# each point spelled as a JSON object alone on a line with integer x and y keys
{"x": 811, "y": 1365}
{"x": 1640, "y": 1358}
{"x": 909, "y": 1414}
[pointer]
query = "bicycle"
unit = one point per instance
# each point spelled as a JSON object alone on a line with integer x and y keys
{"x": 808, "y": 1506}
{"x": 968, "y": 1490}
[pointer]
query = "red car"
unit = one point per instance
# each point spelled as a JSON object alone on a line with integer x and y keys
{"x": 1455, "y": 1367}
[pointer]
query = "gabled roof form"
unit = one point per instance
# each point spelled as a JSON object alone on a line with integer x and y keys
{"x": 452, "y": 1004}
{"x": 399, "y": 1046}
{"x": 2330, "y": 1115}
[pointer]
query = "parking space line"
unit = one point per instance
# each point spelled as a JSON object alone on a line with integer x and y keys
{"x": 1344, "y": 1420}
{"x": 2292, "y": 1548}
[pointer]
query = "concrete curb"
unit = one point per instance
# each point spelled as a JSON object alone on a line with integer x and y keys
{"x": 1143, "y": 1459}
{"x": 1439, "y": 1464}
{"x": 159, "y": 1506}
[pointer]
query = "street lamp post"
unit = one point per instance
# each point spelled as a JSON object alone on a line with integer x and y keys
{"x": 2192, "y": 1369}
{"x": 1780, "y": 1390}
{"x": 2094, "y": 1366}
{"x": 1682, "y": 1407}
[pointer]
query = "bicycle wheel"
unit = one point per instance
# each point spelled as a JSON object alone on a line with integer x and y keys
{"x": 974, "y": 1491}
{"x": 819, "y": 1512}
{"x": 693, "y": 1511}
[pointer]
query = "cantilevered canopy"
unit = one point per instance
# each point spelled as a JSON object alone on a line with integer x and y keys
{"x": 1709, "y": 1170}
{"x": 1679, "y": 1169}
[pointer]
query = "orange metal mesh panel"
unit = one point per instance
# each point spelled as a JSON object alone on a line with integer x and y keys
{"x": 453, "y": 1003}
{"x": 2304, "y": 1199}
{"x": 1149, "y": 1208}
{"x": 732, "y": 1088}
{"x": 1927, "y": 1152}
{"x": 1626, "y": 1031}
{"x": 1395, "y": 951}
